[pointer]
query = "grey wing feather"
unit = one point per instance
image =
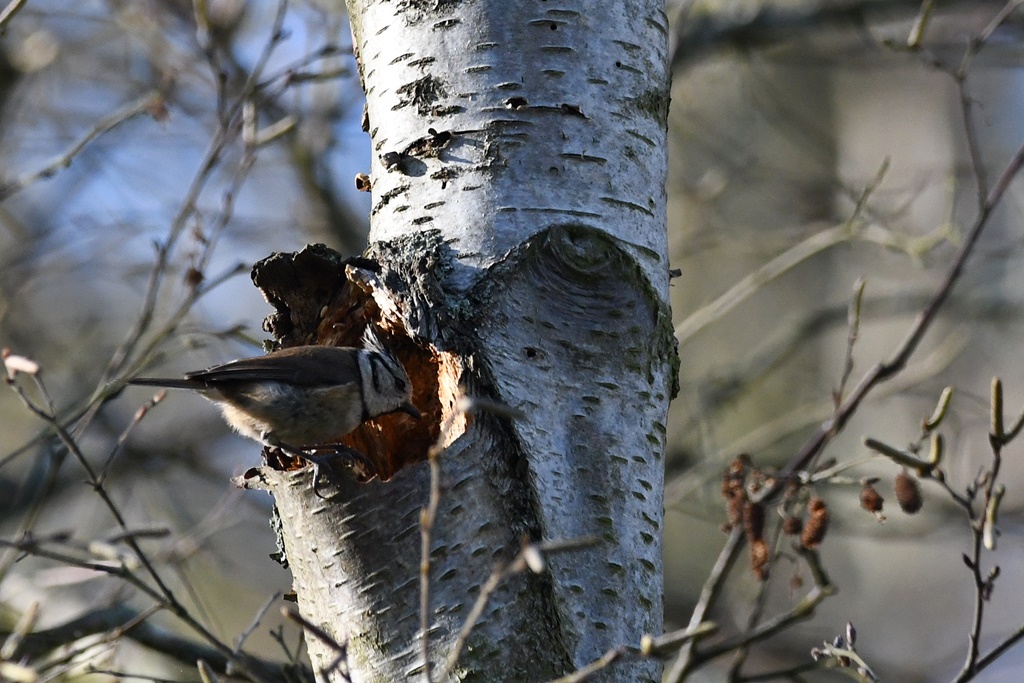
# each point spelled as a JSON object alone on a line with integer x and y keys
{"x": 300, "y": 365}
{"x": 170, "y": 383}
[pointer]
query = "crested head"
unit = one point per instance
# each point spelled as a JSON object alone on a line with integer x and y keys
{"x": 372, "y": 342}
{"x": 385, "y": 384}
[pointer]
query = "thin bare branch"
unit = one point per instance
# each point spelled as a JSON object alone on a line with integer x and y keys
{"x": 982, "y": 525}
{"x": 996, "y": 22}
{"x": 163, "y": 593}
{"x": 802, "y": 611}
{"x": 340, "y": 649}
{"x": 244, "y": 635}
{"x": 709, "y": 595}
{"x": 428, "y": 516}
{"x": 501, "y": 572}
{"x": 669, "y": 642}
{"x": 119, "y": 444}
{"x": 883, "y": 371}
{"x": 606, "y": 660}
{"x": 779, "y": 265}
{"x": 136, "y": 107}
{"x": 852, "y": 333}
{"x": 8, "y": 12}
{"x": 123, "y": 621}
{"x": 920, "y": 23}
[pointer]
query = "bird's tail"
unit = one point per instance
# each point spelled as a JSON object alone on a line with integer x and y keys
{"x": 170, "y": 383}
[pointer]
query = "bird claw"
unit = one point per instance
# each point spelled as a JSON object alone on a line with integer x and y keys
{"x": 353, "y": 458}
{"x": 357, "y": 462}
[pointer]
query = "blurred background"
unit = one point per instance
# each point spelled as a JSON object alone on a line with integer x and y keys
{"x": 151, "y": 151}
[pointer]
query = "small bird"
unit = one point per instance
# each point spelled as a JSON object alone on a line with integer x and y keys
{"x": 304, "y": 397}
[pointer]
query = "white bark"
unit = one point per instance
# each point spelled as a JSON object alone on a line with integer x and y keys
{"x": 519, "y": 217}
{"x": 583, "y": 144}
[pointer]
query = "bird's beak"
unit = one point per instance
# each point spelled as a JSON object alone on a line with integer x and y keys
{"x": 410, "y": 409}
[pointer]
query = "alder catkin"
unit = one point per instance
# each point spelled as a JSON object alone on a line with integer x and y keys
{"x": 753, "y": 521}
{"x": 908, "y": 492}
{"x": 759, "y": 559}
{"x": 816, "y": 525}
{"x": 734, "y": 491}
{"x": 870, "y": 499}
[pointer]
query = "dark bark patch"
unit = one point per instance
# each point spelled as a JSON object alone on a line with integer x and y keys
{"x": 317, "y": 301}
{"x": 422, "y": 93}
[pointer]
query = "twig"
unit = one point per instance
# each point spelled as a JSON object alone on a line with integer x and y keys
{"x": 760, "y": 602}
{"x": 982, "y": 523}
{"x": 802, "y": 611}
{"x": 33, "y": 546}
{"x": 853, "y": 331}
{"x": 844, "y": 656}
{"x": 882, "y": 371}
{"x": 63, "y": 663}
{"x": 55, "y": 456}
{"x": 164, "y": 593}
{"x": 719, "y": 25}
{"x": 127, "y": 622}
{"x": 792, "y": 673}
{"x": 341, "y": 649}
{"x": 996, "y": 22}
{"x": 779, "y": 265}
{"x": 606, "y": 660}
{"x": 526, "y": 558}
{"x": 119, "y": 444}
{"x": 80, "y": 415}
{"x": 240, "y": 640}
{"x": 920, "y": 23}
{"x": 277, "y": 635}
{"x": 997, "y": 651}
{"x": 966, "y": 102}
{"x": 670, "y": 642}
{"x": 119, "y": 675}
{"x": 971, "y": 136}
{"x": 289, "y": 71}
{"x": 812, "y": 412}
{"x": 8, "y": 12}
{"x": 715, "y": 310}
{"x": 427, "y": 518}
{"x": 985, "y": 491}
{"x": 206, "y": 672}
{"x": 26, "y": 623}
{"x": 709, "y": 594}
{"x": 152, "y": 532}
{"x": 129, "y": 111}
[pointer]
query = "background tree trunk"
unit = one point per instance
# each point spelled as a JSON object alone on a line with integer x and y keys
{"x": 518, "y": 230}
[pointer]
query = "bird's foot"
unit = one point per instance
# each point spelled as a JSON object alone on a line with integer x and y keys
{"x": 350, "y": 458}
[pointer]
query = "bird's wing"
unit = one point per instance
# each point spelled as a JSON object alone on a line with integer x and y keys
{"x": 169, "y": 382}
{"x": 299, "y": 365}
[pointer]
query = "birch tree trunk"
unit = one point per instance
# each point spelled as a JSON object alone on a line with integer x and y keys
{"x": 518, "y": 253}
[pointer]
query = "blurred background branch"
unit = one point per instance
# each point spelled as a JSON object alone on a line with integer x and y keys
{"x": 154, "y": 149}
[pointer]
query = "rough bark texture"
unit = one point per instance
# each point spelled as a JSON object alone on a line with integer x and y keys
{"x": 542, "y": 113}
{"x": 574, "y": 339}
{"x": 519, "y": 236}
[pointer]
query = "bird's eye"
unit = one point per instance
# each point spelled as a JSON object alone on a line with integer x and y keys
{"x": 399, "y": 384}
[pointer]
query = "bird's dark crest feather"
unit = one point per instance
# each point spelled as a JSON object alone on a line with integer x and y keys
{"x": 372, "y": 342}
